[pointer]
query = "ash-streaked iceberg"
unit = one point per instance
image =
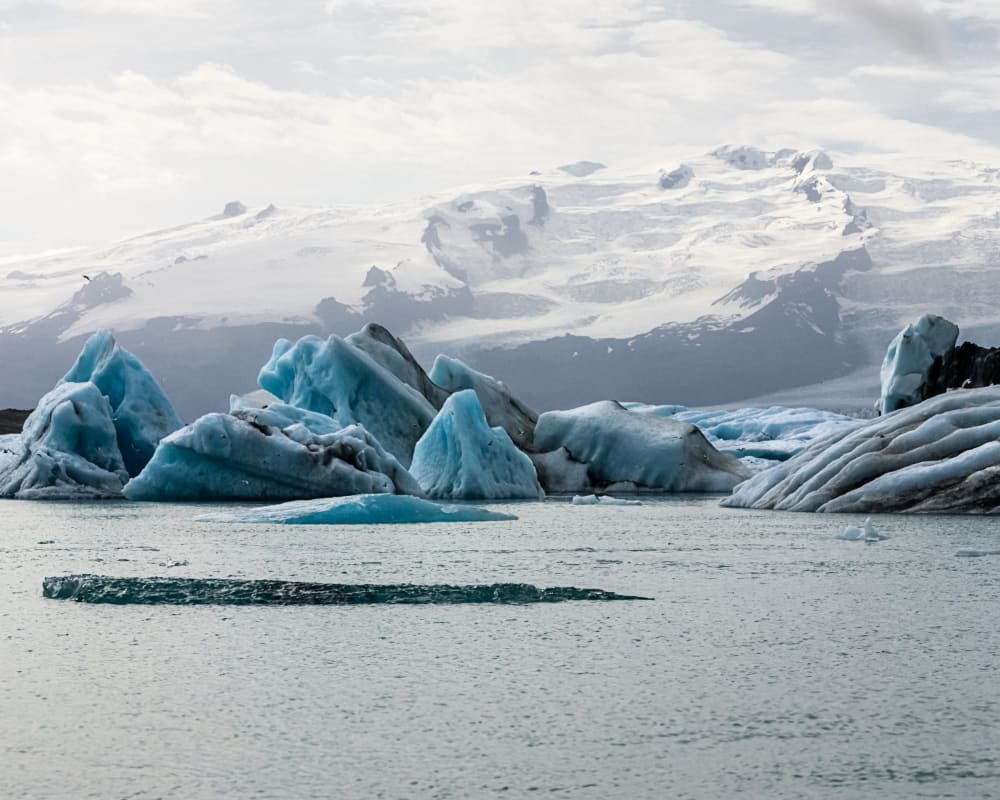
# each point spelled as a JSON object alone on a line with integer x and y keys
{"x": 500, "y": 406}
{"x": 388, "y": 351}
{"x": 909, "y": 359}
{"x": 140, "y": 410}
{"x": 941, "y": 455}
{"x": 340, "y": 380}
{"x": 366, "y": 509}
{"x": 68, "y": 449}
{"x": 276, "y": 453}
{"x": 628, "y": 451}
{"x": 460, "y": 457}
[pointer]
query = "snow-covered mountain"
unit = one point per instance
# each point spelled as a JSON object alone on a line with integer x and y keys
{"x": 730, "y": 275}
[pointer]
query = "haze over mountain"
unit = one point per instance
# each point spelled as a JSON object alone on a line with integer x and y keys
{"x": 714, "y": 279}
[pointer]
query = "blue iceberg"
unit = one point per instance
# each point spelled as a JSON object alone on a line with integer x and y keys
{"x": 339, "y": 380}
{"x": 628, "y": 451}
{"x": 500, "y": 406}
{"x": 277, "y": 453}
{"x": 366, "y": 509}
{"x": 141, "y": 412}
{"x": 68, "y": 449}
{"x": 460, "y": 457}
{"x": 909, "y": 359}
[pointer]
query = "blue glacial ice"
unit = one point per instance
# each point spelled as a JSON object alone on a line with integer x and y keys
{"x": 68, "y": 449}
{"x": 460, "y": 457}
{"x": 939, "y": 456}
{"x": 365, "y": 509}
{"x": 500, "y": 406}
{"x": 628, "y": 451}
{"x": 141, "y": 412}
{"x": 277, "y": 453}
{"x": 909, "y": 359}
{"x": 389, "y": 352}
{"x": 335, "y": 378}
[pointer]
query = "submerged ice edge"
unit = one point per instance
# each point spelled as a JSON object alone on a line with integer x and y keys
{"x": 226, "y": 591}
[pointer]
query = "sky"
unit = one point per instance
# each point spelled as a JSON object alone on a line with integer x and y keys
{"x": 121, "y": 116}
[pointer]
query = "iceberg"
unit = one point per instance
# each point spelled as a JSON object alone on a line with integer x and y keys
{"x": 460, "y": 457}
{"x": 141, "y": 412}
{"x": 339, "y": 380}
{"x": 275, "y": 453}
{"x": 560, "y": 473}
{"x": 389, "y": 352}
{"x": 68, "y": 449}
{"x": 229, "y": 591}
{"x": 628, "y": 451}
{"x": 909, "y": 359}
{"x": 500, "y": 406}
{"x": 365, "y": 509}
{"x": 941, "y": 455}
{"x": 865, "y": 533}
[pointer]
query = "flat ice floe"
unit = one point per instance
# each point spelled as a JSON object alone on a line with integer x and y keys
{"x": 602, "y": 500}
{"x": 941, "y": 455}
{"x": 365, "y": 509}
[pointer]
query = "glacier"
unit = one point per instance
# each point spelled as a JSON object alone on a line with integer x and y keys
{"x": 629, "y": 451}
{"x": 335, "y": 378}
{"x": 275, "y": 453}
{"x": 68, "y": 449}
{"x": 364, "y": 509}
{"x": 909, "y": 359}
{"x": 140, "y": 410}
{"x": 460, "y": 457}
{"x": 941, "y": 455}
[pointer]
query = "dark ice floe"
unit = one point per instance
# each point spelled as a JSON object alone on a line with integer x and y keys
{"x": 225, "y": 591}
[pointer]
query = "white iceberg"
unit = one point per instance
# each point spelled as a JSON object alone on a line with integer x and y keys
{"x": 603, "y": 500}
{"x": 277, "y": 453}
{"x": 461, "y": 457}
{"x": 864, "y": 533}
{"x": 140, "y": 410}
{"x": 941, "y": 455}
{"x": 908, "y": 361}
{"x": 68, "y": 449}
{"x": 628, "y": 451}
{"x": 500, "y": 406}
{"x": 339, "y": 380}
{"x": 367, "y": 509}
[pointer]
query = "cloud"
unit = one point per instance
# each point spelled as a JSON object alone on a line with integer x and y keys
{"x": 905, "y": 23}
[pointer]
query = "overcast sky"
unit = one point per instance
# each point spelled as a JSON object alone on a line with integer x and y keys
{"x": 125, "y": 115}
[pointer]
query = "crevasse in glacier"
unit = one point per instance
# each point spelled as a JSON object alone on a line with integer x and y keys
{"x": 278, "y": 453}
{"x": 461, "y": 457}
{"x": 335, "y": 378}
{"x": 141, "y": 412}
{"x": 68, "y": 449}
{"x": 630, "y": 451}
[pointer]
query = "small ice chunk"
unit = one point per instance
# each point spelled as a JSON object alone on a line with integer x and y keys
{"x": 603, "y": 500}
{"x": 970, "y": 553}
{"x": 866, "y": 533}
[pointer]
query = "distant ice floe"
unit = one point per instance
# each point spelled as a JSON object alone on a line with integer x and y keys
{"x": 603, "y": 500}
{"x": 365, "y": 509}
{"x": 970, "y": 553}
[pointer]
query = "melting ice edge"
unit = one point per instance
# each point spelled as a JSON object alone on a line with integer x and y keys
{"x": 226, "y": 591}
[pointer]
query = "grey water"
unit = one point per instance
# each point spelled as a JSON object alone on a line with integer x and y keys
{"x": 774, "y": 661}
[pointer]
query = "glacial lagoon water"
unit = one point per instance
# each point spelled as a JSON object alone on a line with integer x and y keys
{"x": 774, "y": 662}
